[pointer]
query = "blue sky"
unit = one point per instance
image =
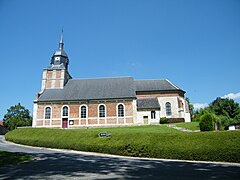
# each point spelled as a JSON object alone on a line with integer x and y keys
{"x": 193, "y": 43}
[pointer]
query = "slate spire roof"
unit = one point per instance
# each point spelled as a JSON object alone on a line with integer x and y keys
{"x": 60, "y": 58}
{"x": 60, "y": 50}
{"x": 61, "y": 43}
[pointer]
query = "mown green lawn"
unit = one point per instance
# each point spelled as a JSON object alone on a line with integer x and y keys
{"x": 7, "y": 158}
{"x": 194, "y": 126}
{"x": 142, "y": 141}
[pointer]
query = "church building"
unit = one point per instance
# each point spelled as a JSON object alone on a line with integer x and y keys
{"x": 65, "y": 102}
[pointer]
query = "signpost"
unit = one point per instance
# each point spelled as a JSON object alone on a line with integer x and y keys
{"x": 104, "y": 134}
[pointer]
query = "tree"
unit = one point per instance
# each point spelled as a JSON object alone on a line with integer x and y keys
{"x": 225, "y": 107}
{"x": 199, "y": 113}
{"x": 17, "y": 116}
{"x": 227, "y": 111}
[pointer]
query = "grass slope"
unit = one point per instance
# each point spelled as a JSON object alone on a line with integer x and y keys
{"x": 7, "y": 158}
{"x": 143, "y": 141}
{"x": 189, "y": 125}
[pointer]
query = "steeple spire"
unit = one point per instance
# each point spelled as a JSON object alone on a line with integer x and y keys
{"x": 61, "y": 41}
{"x": 60, "y": 58}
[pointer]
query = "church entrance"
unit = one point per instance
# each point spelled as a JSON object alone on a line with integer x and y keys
{"x": 64, "y": 122}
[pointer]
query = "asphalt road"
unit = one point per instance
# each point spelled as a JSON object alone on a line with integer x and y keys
{"x": 64, "y": 164}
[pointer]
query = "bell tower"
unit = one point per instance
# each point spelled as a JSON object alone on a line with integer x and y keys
{"x": 56, "y": 75}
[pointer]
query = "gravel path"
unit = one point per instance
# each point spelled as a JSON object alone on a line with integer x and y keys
{"x": 181, "y": 128}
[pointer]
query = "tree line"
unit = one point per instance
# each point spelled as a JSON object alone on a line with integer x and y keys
{"x": 219, "y": 115}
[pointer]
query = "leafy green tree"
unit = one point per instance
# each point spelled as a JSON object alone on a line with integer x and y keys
{"x": 17, "y": 116}
{"x": 236, "y": 119}
{"x": 225, "y": 107}
{"x": 199, "y": 113}
{"x": 227, "y": 111}
{"x": 224, "y": 122}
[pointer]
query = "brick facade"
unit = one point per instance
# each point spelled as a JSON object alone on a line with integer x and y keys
{"x": 92, "y": 119}
{"x": 55, "y": 78}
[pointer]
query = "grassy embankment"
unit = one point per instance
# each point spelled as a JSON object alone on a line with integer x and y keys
{"x": 7, "y": 158}
{"x": 143, "y": 141}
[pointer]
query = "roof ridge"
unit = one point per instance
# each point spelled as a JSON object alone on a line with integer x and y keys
{"x": 148, "y": 98}
{"x": 53, "y": 89}
{"x": 150, "y": 80}
{"x": 102, "y": 78}
{"x": 172, "y": 84}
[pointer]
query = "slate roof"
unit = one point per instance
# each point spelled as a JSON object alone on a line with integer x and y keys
{"x": 91, "y": 89}
{"x": 155, "y": 85}
{"x": 148, "y": 103}
{"x": 60, "y": 52}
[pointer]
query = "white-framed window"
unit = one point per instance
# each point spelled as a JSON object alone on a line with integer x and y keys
{"x": 47, "y": 113}
{"x": 83, "y": 111}
{"x": 101, "y": 111}
{"x": 153, "y": 114}
{"x": 120, "y": 110}
{"x": 65, "y": 111}
{"x": 168, "y": 109}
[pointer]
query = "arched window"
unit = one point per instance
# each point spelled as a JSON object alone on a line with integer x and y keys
{"x": 65, "y": 111}
{"x": 168, "y": 109}
{"x": 120, "y": 110}
{"x": 101, "y": 111}
{"x": 47, "y": 113}
{"x": 83, "y": 112}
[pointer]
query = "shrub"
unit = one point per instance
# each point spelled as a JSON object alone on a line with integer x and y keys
{"x": 164, "y": 120}
{"x": 206, "y": 122}
{"x": 143, "y": 141}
